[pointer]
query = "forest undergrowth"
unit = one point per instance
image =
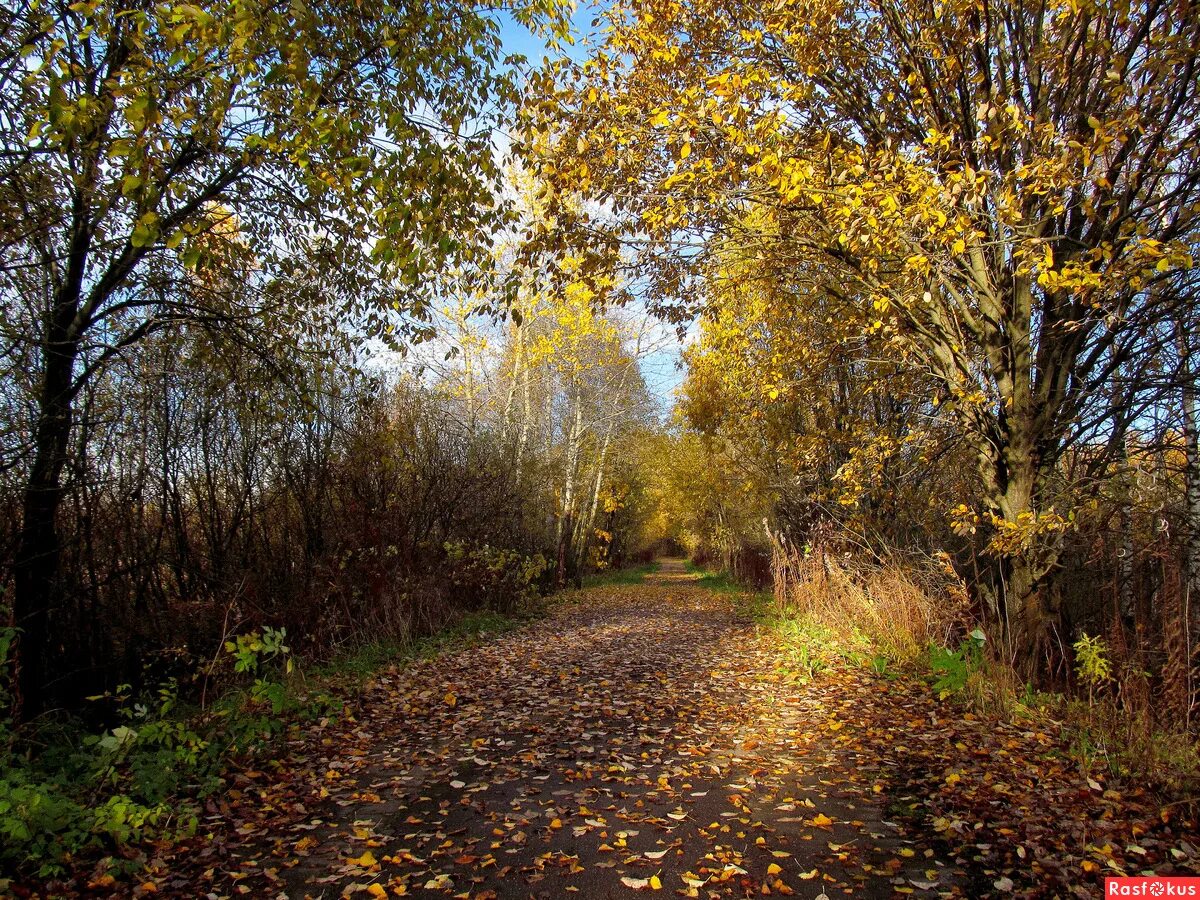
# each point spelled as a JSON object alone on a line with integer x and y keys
{"x": 915, "y": 617}
{"x": 72, "y": 791}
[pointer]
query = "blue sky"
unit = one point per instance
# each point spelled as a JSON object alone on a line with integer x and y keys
{"x": 518, "y": 39}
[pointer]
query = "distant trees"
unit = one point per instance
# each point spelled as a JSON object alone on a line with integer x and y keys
{"x": 560, "y": 386}
{"x": 997, "y": 203}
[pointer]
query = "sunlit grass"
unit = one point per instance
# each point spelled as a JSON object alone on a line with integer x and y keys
{"x": 630, "y": 575}
{"x": 722, "y": 582}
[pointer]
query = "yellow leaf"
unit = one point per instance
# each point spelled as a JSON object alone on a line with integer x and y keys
{"x": 655, "y": 883}
{"x": 366, "y": 860}
{"x": 450, "y": 699}
{"x": 822, "y": 820}
{"x": 377, "y": 890}
{"x": 685, "y": 151}
{"x": 774, "y": 869}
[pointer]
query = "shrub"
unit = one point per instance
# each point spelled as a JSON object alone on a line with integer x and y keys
{"x": 109, "y": 793}
{"x": 952, "y": 669}
{"x": 491, "y": 578}
{"x": 139, "y": 779}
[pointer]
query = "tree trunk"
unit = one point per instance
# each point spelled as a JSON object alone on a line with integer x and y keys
{"x": 587, "y": 524}
{"x": 566, "y": 519}
{"x": 518, "y": 344}
{"x": 1022, "y": 602}
{"x": 1191, "y": 441}
{"x": 526, "y": 419}
{"x": 37, "y": 566}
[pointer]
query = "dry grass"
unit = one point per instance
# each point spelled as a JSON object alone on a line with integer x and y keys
{"x": 899, "y": 610}
{"x": 1131, "y": 726}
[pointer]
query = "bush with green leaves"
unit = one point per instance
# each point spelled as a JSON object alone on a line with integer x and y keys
{"x": 139, "y": 779}
{"x": 952, "y": 668}
{"x": 264, "y": 654}
{"x": 110, "y": 792}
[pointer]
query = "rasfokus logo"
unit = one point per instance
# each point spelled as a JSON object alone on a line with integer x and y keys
{"x": 1165, "y": 886}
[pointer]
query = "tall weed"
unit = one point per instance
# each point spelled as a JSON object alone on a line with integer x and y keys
{"x": 899, "y": 610}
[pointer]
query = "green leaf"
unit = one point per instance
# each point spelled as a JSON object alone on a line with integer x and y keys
{"x": 142, "y": 236}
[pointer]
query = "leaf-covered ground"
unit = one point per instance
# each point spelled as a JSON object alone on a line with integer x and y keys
{"x": 645, "y": 738}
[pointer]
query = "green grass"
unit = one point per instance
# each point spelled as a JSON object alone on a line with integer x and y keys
{"x": 753, "y": 603}
{"x": 465, "y": 631}
{"x": 631, "y": 575}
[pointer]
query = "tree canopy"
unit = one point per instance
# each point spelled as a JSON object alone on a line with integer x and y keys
{"x": 1001, "y": 197}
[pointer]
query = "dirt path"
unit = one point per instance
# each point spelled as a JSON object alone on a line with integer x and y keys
{"x": 639, "y": 737}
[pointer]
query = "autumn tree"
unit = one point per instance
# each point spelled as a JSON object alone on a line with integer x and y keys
{"x": 551, "y": 364}
{"x": 1007, "y": 186}
{"x": 200, "y": 162}
{"x": 820, "y": 402}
